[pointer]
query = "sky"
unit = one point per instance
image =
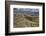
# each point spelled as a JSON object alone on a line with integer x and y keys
{"x": 34, "y": 12}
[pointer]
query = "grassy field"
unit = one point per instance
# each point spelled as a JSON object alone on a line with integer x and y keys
{"x": 24, "y": 20}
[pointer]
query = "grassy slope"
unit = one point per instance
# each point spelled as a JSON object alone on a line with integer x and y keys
{"x": 22, "y": 20}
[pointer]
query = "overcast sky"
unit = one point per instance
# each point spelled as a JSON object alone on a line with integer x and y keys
{"x": 25, "y": 10}
{"x": 34, "y": 12}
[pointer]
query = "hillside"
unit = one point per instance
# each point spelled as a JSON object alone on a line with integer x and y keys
{"x": 24, "y": 20}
